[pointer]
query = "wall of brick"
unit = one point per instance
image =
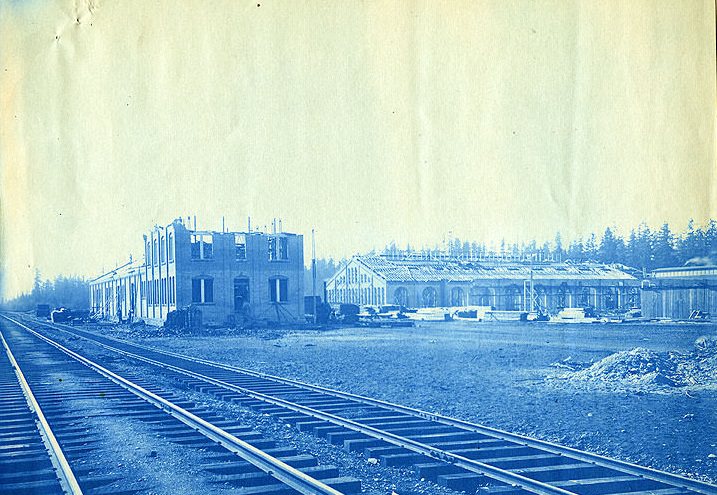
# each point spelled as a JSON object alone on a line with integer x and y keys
{"x": 223, "y": 268}
{"x": 170, "y": 267}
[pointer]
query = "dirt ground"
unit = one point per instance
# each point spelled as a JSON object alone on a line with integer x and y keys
{"x": 515, "y": 377}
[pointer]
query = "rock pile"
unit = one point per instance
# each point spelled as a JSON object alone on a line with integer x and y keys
{"x": 634, "y": 367}
{"x": 643, "y": 368}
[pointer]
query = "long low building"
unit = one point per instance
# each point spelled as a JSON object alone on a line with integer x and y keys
{"x": 417, "y": 282}
{"x": 678, "y": 292}
{"x": 224, "y": 277}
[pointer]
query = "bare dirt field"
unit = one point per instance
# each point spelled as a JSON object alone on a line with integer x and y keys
{"x": 655, "y": 405}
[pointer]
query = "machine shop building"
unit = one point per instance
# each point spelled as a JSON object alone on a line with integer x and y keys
{"x": 225, "y": 277}
{"x": 677, "y": 293}
{"x": 414, "y": 282}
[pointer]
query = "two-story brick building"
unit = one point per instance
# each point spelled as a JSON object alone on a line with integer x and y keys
{"x": 227, "y": 276}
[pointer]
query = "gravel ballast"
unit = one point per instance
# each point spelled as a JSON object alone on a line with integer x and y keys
{"x": 499, "y": 375}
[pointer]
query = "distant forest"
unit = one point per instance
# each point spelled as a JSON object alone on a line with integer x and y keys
{"x": 644, "y": 249}
{"x": 70, "y": 292}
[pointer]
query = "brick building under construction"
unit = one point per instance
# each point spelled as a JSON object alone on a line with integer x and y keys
{"x": 224, "y": 277}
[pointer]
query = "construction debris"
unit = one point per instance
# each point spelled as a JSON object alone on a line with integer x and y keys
{"x": 643, "y": 368}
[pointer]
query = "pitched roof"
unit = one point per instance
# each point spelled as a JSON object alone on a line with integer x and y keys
{"x": 419, "y": 270}
{"x": 119, "y": 272}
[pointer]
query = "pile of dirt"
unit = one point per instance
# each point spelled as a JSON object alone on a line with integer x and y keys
{"x": 701, "y": 369}
{"x": 643, "y": 368}
{"x": 636, "y": 367}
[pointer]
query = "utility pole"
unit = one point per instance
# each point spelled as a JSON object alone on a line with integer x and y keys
{"x": 313, "y": 273}
{"x": 532, "y": 296}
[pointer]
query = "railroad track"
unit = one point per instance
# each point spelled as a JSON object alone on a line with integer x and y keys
{"x": 30, "y": 458}
{"x": 455, "y": 453}
{"x": 53, "y": 431}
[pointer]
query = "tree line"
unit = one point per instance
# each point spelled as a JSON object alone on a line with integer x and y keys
{"x": 643, "y": 249}
{"x": 65, "y": 291}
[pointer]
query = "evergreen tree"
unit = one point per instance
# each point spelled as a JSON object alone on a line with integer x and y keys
{"x": 391, "y": 249}
{"x": 70, "y": 292}
{"x": 456, "y": 247}
{"x": 531, "y": 248}
{"x": 621, "y": 251}
{"x": 692, "y": 244}
{"x": 477, "y": 249}
{"x": 631, "y": 258}
{"x": 37, "y": 282}
{"x": 609, "y": 251}
{"x": 545, "y": 251}
{"x": 466, "y": 249}
{"x": 711, "y": 238}
{"x": 558, "y": 251}
{"x": 642, "y": 249}
{"x": 576, "y": 251}
{"x": 591, "y": 249}
{"x": 664, "y": 248}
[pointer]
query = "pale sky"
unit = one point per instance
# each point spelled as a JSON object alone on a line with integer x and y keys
{"x": 370, "y": 121}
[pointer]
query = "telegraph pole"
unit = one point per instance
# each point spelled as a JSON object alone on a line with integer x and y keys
{"x": 313, "y": 273}
{"x": 532, "y": 296}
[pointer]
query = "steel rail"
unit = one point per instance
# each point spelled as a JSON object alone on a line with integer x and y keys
{"x": 290, "y": 476}
{"x": 66, "y": 477}
{"x": 596, "y": 459}
{"x": 589, "y": 457}
{"x": 471, "y": 465}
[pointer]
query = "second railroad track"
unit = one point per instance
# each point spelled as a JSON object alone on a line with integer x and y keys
{"x": 455, "y": 453}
